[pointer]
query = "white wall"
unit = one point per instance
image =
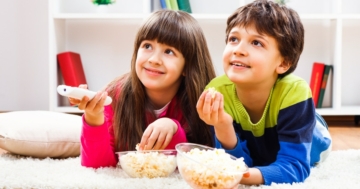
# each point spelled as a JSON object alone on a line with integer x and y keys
{"x": 24, "y": 55}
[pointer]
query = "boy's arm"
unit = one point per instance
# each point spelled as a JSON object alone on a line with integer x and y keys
{"x": 97, "y": 143}
{"x": 295, "y": 130}
{"x": 239, "y": 150}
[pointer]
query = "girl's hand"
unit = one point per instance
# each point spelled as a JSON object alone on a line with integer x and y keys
{"x": 210, "y": 108}
{"x": 158, "y": 134}
{"x": 93, "y": 108}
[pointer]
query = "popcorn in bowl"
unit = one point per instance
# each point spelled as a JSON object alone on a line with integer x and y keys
{"x": 148, "y": 163}
{"x": 204, "y": 167}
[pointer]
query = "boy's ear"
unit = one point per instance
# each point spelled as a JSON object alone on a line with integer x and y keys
{"x": 283, "y": 67}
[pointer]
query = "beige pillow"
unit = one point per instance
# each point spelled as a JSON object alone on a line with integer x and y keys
{"x": 40, "y": 133}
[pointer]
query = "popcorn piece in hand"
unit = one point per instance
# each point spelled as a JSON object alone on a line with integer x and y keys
{"x": 212, "y": 91}
{"x": 137, "y": 147}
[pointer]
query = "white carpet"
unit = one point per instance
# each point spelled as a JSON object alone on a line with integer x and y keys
{"x": 340, "y": 170}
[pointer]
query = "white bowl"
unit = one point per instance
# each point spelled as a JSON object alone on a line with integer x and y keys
{"x": 148, "y": 163}
{"x": 205, "y": 167}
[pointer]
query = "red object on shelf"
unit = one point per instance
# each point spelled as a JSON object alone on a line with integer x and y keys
{"x": 71, "y": 68}
{"x": 316, "y": 80}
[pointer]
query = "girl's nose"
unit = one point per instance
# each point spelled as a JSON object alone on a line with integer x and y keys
{"x": 155, "y": 58}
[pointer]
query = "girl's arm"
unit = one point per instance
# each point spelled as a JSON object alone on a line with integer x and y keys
{"x": 97, "y": 143}
{"x": 178, "y": 137}
{"x": 163, "y": 133}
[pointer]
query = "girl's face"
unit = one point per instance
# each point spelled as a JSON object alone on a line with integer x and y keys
{"x": 159, "y": 66}
{"x": 251, "y": 58}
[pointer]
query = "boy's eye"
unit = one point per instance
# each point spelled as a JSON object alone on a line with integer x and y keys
{"x": 168, "y": 51}
{"x": 257, "y": 43}
{"x": 232, "y": 39}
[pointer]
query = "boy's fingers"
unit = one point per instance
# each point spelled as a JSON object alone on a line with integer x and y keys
{"x": 207, "y": 104}
{"x": 200, "y": 102}
{"x": 246, "y": 175}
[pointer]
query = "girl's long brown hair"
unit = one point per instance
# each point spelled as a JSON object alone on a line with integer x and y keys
{"x": 182, "y": 31}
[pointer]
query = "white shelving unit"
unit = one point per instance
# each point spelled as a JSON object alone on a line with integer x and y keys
{"x": 105, "y": 42}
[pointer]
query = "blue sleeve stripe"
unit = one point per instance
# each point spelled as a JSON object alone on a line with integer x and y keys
{"x": 262, "y": 149}
{"x": 292, "y": 164}
{"x": 299, "y": 118}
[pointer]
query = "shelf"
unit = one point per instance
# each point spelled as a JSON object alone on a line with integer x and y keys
{"x": 195, "y": 15}
{"x": 98, "y": 16}
{"x": 104, "y": 38}
{"x": 318, "y": 16}
{"x": 68, "y": 109}
{"x": 350, "y": 16}
{"x": 344, "y": 110}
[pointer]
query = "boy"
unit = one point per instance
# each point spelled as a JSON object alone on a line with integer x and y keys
{"x": 261, "y": 111}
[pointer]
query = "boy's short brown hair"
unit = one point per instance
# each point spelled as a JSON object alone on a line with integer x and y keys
{"x": 277, "y": 21}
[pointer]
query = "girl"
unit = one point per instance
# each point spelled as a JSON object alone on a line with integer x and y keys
{"x": 154, "y": 104}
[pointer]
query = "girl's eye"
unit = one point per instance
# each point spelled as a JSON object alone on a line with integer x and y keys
{"x": 147, "y": 46}
{"x": 257, "y": 43}
{"x": 168, "y": 51}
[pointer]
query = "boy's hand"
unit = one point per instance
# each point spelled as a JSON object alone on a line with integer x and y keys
{"x": 158, "y": 134}
{"x": 93, "y": 108}
{"x": 210, "y": 108}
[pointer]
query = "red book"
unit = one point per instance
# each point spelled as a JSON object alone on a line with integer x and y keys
{"x": 71, "y": 68}
{"x": 325, "y": 79}
{"x": 316, "y": 80}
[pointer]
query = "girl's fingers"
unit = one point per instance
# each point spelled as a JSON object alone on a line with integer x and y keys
{"x": 151, "y": 140}
{"x": 74, "y": 101}
{"x": 159, "y": 141}
{"x": 83, "y": 86}
{"x": 166, "y": 142}
{"x": 145, "y": 137}
{"x": 84, "y": 101}
{"x": 100, "y": 104}
{"x": 92, "y": 103}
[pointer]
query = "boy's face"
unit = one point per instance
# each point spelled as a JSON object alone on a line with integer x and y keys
{"x": 252, "y": 58}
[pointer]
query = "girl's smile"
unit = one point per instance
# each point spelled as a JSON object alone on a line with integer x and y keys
{"x": 153, "y": 72}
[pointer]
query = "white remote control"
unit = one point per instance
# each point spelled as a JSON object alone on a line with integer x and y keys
{"x": 79, "y": 93}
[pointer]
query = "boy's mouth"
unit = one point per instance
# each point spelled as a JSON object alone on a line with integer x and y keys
{"x": 239, "y": 64}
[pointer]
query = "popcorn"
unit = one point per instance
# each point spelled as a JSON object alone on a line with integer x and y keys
{"x": 211, "y": 169}
{"x": 149, "y": 164}
{"x": 212, "y": 91}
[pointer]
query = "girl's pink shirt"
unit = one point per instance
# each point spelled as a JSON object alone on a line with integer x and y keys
{"x": 97, "y": 143}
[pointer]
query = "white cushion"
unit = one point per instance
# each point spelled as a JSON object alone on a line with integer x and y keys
{"x": 40, "y": 133}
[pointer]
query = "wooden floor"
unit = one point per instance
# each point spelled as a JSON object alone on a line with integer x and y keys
{"x": 344, "y": 132}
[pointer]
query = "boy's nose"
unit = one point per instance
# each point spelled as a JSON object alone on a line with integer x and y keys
{"x": 240, "y": 49}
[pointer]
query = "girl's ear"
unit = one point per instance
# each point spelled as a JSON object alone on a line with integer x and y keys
{"x": 183, "y": 74}
{"x": 283, "y": 67}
